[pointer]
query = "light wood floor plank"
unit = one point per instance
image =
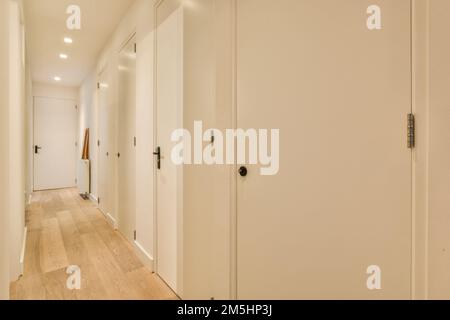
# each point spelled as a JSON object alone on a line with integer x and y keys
{"x": 32, "y": 254}
{"x": 150, "y": 285}
{"x": 111, "y": 276}
{"x": 33, "y": 218}
{"x": 29, "y": 288}
{"x": 119, "y": 247}
{"x": 52, "y": 252}
{"x": 65, "y": 230}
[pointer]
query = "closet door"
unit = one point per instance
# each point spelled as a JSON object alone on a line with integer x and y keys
{"x": 341, "y": 202}
{"x": 169, "y": 117}
{"x": 126, "y": 138}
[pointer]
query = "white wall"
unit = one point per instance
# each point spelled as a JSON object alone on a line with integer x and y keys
{"x": 4, "y": 156}
{"x": 139, "y": 20}
{"x": 88, "y": 113}
{"x": 17, "y": 154}
{"x": 54, "y": 91}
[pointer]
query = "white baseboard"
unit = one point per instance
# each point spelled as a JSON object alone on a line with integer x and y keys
{"x": 111, "y": 221}
{"x": 22, "y": 254}
{"x": 93, "y": 198}
{"x": 144, "y": 256}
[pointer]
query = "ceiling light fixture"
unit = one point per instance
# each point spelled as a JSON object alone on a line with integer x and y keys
{"x": 63, "y": 56}
{"x": 68, "y": 40}
{"x": 57, "y": 78}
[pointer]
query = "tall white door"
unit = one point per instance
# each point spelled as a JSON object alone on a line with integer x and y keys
{"x": 169, "y": 109}
{"x": 341, "y": 203}
{"x": 127, "y": 133}
{"x": 55, "y": 143}
{"x": 105, "y": 144}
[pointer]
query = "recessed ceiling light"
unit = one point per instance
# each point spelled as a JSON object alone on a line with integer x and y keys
{"x": 63, "y": 56}
{"x": 57, "y": 78}
{"x": 68, "y": 40}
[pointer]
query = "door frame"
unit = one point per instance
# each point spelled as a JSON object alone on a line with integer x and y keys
{"x": 420, "y": 107}
{"x": 156, "y": 5}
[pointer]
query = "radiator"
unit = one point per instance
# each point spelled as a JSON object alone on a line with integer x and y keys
{"x": 83, "y": 177}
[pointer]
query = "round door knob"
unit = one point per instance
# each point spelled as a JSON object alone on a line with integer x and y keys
{"x": 243, "y": 171}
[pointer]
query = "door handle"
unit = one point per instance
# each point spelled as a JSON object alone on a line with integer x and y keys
{"x": 36, "y": 149}
{"x": 157, "y": 153}
{"x": 243, "y": 171}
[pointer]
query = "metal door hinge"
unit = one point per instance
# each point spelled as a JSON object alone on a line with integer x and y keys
{"x": 98, "y": 143}
{"x": 135, "y": 48}
{"x": 98, "y": 85}
{"x": 135, "y": 235}
{"x": 411, "y": 131}
{"x": 98, "y": 200}
{"x": 135, "y": 141}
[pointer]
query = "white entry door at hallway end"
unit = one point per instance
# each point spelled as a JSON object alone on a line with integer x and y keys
{"x": 339, "y": 209}
{"x": 55, "y": 143}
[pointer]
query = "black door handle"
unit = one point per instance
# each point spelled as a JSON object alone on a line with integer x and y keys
{"x": 157, "y": 153}
{"x": 243, "y": 171}
{"x": 36, "y": 149}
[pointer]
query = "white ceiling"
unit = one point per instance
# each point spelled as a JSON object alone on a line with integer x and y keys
{"x": 46, "y": 29}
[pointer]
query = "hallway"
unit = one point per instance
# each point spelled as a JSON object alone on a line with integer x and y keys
{"x": 230, "y": 150}
{"x": 65, "y": 230}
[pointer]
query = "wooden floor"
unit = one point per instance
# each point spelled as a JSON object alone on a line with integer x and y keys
{"x": 64, "y": 230}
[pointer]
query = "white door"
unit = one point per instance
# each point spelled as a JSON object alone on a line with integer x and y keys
{"x": 127, "y": 133}
{"x": 341, "y": 202}
{"x": 169, "y": 97}
{"x": 105, "y": 145}
{"x": 55, "y": 143}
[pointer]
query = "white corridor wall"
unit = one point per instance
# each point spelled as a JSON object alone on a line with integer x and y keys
{"x": 88, "y": 114}
{"x": 17, "y": 151}
{"x": 139, "y": 20}
{"x": 4, "y": 143}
